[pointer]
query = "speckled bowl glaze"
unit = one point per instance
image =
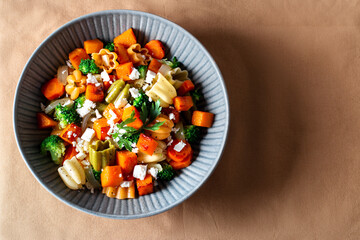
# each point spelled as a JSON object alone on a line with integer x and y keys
{"x": 106, "y": 25}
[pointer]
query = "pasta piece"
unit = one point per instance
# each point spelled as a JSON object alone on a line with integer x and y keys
{"x": 158, "y": 155}
{"x": 75, "y": 170}
{"x": 120, "y": 192}
{"x": 72, "y": 174}
{"x": 177, "y": 76}
{"x": 110, "y": 191}
{"x": 126, "y": 192}
{"x": 162, "y": 90}
{"x": 138, "y": 55}
{"x": 76, "y": 84}
{"x": 164, "y": 130}
{"x": 69, "y": 182}
{"x": 105, "y": 60}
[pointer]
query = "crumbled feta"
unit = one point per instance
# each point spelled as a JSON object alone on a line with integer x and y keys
{"x": 153, "y": 172}
{"x": 86, "y": 108}
{"x": 93, "y": 119}
{"x": 42, "y": 107}
{"x": 169, "y": 143}
{"x": 69, "y": 133}
{"x": 150, "y": 99}
{"x": 121, "y": 103}
{"x": 172, "y": 116}
{"x": 107, "y": 138}
{"x": 88, "y": 134}
{"x": 134, "y": 74}
{"x": 66, "y": 95}
{"x": 98, "y": 115}
{"x": 91, "y": 79}
{"x": 178, "y": 147}
{"x": 150, "y": 75}
{"x": 74, "y": 135}
{"x": 140, "y": 171}
{"x": 97, "y": 84}
{"x": 74, "y": 144}
{"x": 80, "y": 155}
{"x": 133, "y": 145}
{"x": 135, "y": 150}
{"x": 175, "y": 130}
{"x": 134, "y": 92}
{"x": 126, "y": 184}
{"x": 127, "y": 105}
{"x": 105, "y": 76}
{"x": 82, "y": 145}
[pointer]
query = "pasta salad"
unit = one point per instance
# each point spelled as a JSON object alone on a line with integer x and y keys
{"x": 122, "y": 117}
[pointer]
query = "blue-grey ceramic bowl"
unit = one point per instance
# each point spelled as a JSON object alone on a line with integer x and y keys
{"x": 106, "y": 25}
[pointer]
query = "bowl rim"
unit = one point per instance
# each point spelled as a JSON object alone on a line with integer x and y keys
{"x": 121, "y": 12}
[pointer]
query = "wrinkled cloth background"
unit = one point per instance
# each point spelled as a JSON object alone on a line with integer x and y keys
{"x": 291, "y": 167}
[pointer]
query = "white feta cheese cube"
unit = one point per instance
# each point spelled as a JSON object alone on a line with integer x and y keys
{"x": 97, "y": 113}
{"x": 121, "y": 103}
{"x": 134, "y": 92}
{"x": 105, "y": 76}
{"x": 140, "y": 171}
{"x": 134, "y": 74}
{"x": 88, "y": 134}
{"x": 153, "y": 172}
{"x": 91, "y": 79}
{"x": 172, "y": 116}
{"x": 150, "y": 75}
{"x": 178, "y": 147}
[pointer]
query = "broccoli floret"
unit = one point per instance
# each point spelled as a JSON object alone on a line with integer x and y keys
{"x": 110, "y": 46}
{"x": 96, "y": 174}
{"x": 79, "y": 102}
{"x": 66, "y": 115}
{"x": 88, "y": 66}
{"x": 142, "y": 70}
{"x": 174, "y": 63}
{"x": 167, "y": 173}
{"x": 192, "y": 133}
{"x": 55, "y": 145}
{"x": 142, "y": 98}
{"x": 196, "y": 96}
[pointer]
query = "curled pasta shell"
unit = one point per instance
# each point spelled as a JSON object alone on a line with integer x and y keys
{"x": 146, "y": 158}
{"x": 162, "y": 90}
{"x": 138, "y": 55}
{"x": 75, "y": 170}
{"x": 164, "y": 130}
{"x": 69, "y": 182}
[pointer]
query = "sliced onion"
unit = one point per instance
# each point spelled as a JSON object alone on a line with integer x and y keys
{"x": 85, "y": 121}
{"x": 53, "y": 104}
{"x": 180, "y": 133}
{"x": 164, "y": 69}
{"x": 62, "y": 74}
{"x": 90, "y": 177}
